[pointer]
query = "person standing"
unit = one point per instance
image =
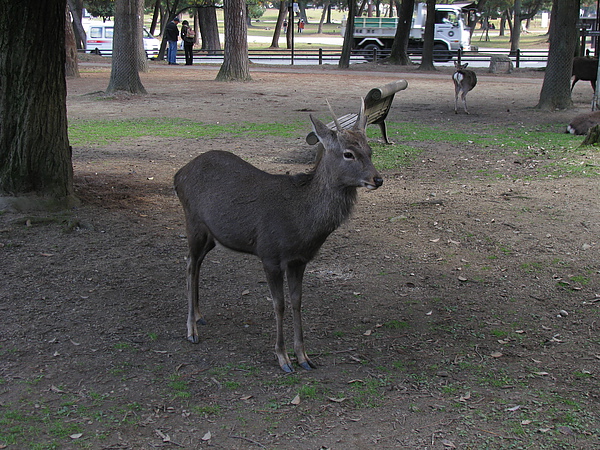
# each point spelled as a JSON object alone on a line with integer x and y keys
{"x": 300, "y": 25}
{"x": 172, "y": 35}
{"x": 188, "y": 35}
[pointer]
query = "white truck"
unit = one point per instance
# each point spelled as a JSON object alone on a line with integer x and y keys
{"x": 100, "y": 39}
{"x": 451, "y": 31}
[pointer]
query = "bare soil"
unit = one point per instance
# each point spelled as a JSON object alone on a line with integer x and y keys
{"x": 458, "y": 308}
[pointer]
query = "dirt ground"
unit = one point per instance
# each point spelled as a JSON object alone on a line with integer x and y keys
{"x": 457, "y": 308}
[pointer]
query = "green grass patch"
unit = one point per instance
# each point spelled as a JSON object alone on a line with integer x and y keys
{"x": 101, "y": 132}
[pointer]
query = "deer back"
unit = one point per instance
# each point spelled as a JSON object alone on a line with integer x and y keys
{"x": 464, "y": 78}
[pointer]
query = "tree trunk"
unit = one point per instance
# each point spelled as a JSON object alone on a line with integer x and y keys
{"x": 71, "y": 66}
{"x": 35, "y": 156}
{"x": 76, "y": 8}
{"x": 427, "y": 57}
{"x": 280, "y": 19}
{"x": 399, "y": 55}
{"x": 515, "y": 35}
{"x": 142, "y": 57}
{"x": 235, "y": 60}
{"x": 127, "y": 39}
{"x": 556, "y": 89}
{"x": 209, "y": 29}
{"x": 323, "y": 15}
{"x": 348, "y": 37}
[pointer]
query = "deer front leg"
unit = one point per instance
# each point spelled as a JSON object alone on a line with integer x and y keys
{"x": 275, "y": 281}
{"x": 295, "y": 275}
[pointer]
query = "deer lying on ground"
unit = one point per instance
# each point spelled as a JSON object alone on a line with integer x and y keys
{"x": 464, "y": 81}
{"x": 282, "y": 219}
{"x": 586, "y": 69}
{"x": 583, "y": 122}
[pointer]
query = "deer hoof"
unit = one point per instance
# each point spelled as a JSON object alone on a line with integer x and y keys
{"x": 193, "y": 339}
{"x": 287, "y": 368}
{"x": 307, "y": 365}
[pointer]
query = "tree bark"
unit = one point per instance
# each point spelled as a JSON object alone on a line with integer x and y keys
{"x": 399, "y": 55}
{"x": 235, "y": 65}
{"x": 348, "y": 37}
{"x": 35, "y": 156}
{"x": 124, "y": 75}
{"x": 427, "y": 57}
{"x": 71, "y": 66}
{"x": 76, "y": 8}
{"x": 209, "y": 29}
{"x": 556, "y": 89}
{"x": 280, "y": 18}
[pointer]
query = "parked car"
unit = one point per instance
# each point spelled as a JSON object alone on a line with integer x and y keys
{"x": 100, "y": 39}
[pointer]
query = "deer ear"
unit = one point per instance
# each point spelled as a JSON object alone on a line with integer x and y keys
{"x": 361, "y": 120}
{"x": 325, "y": 135}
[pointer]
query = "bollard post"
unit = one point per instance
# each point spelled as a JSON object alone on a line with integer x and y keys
{"x": 320, "y": 56}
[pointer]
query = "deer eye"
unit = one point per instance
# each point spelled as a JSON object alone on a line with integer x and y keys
{"x": 348, "y": 155}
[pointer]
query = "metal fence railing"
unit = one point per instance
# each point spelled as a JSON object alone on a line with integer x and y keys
{"x": 332, "y": 56}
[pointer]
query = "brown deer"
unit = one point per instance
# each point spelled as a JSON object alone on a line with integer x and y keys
{"x": 586, "y": 69}
{"x": 282, "y": 219}
{"x": 464, "y": 81}
{"x": 583, "y": 122}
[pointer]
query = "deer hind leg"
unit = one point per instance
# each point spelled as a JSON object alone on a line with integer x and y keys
{"x": 275, "y": 281}
{"x": 456, "y": 94}
{"x": 295, "y": 274}
{"x": 464, "y": 100}
{"x": 198, "y": 250}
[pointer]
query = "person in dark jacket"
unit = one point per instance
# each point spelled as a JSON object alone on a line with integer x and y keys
{"x": 172, "y": 35}
{"x": 188, "y": 35}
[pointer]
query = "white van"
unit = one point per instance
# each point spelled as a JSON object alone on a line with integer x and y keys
{"x": 100, "y": 39}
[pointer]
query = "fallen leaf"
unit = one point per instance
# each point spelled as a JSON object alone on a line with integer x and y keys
{"x": 525, "y": 422}
{"x": 514, "y": 408}
{"x": 542, "y": 374}
{"x": 564, "y": 430}
{"x": 368, "y": 333}
{"x": 435, "y": 240}
{"x": 496, "y": 355}
{"x": 429, "y": 313}
{"x": 461, "y": 278}
{"x": 464, "y": 398}
{"x": 76, "y": 436}
{"x": 447, "y": 443}
{"x": 246, "y": 292}
{"x": 207, "y": 436}
{"x": 336, "y": 400}
{"x": 246, "y": 397}
{"x": 296, "y": 400}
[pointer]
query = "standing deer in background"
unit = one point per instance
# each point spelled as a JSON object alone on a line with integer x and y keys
{"x": 464, "y": 81}
{"x": 282, "y": 219}
{"x": 586, "y": 69}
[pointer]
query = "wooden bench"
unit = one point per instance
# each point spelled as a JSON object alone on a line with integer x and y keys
{"x": 377, "y": 106}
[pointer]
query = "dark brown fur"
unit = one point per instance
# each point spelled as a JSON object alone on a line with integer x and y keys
{"x": 282, "y": 219}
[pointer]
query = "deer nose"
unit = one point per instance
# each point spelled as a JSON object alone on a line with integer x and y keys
{"x": 378, "y": 181}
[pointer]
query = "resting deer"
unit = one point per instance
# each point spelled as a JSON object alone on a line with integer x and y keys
{"x": 464, "y": 81}
{"x": 282, "y": 219}
{"x": 583, "y": 122}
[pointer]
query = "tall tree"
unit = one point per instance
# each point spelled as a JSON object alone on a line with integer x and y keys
{"x": 399, "y": 54}
{"x": 35, "y": 156}
{"x": 280, "y": 18}
{"x": 235, "y": 65}
{"x": 127, "y": 47}
{"x": 71, "y": 64}
{"x": 427, "y": 56}
{"x": 556, "y": 91}
{"x": 209, "y": 28}
{"x": 348, "y": 36}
